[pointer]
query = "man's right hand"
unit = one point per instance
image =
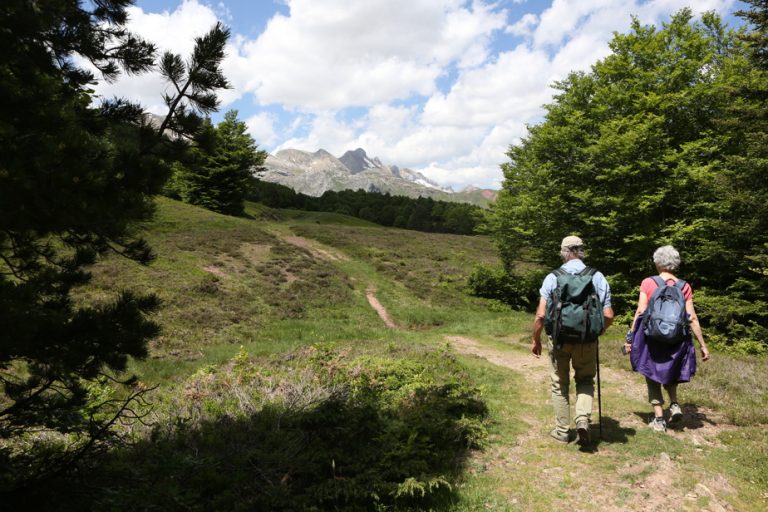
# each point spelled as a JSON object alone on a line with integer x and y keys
{"x": 536, "y": 348}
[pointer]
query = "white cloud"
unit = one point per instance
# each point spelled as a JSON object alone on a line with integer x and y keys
{"x": 512, "y": 87}
{"x": 325, "y": 131}
{"x": 524, "y": 26}
{"x": 326, "y": 56}
{"x": 336, "y": 53}
{"x": 459, "y": 178}
{"x": 262, "y": 128}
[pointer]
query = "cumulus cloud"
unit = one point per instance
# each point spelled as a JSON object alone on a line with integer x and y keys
{"x": 512, "y": 87}
{"x": 524, "y": 26}
{"x": 325, "y": 130}
{"x": 431, "y": 89}
{"x": 459, "y": 178}
{"x": 262, "y": 128}
{"x": 336, "y": 53}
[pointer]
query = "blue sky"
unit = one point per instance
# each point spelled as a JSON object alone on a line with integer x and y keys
{"x": 440, "y": 86}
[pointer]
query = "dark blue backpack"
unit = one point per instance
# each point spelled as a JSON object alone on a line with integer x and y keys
{"x": 666, "y": 320}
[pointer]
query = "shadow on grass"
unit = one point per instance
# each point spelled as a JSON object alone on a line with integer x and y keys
{"x": 612, "y": 432}
{"x": 335, "y": 455}
{"x": 693, "y": 418}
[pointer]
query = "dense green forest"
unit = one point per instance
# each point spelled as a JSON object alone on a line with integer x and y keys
{"x": 663, "y": 142}
{"x": 421, "y": 214}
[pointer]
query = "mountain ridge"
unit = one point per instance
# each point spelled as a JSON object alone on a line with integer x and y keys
{"x": 313, "y": 173}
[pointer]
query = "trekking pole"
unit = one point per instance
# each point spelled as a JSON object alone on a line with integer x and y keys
{"x": 599, "y": 398}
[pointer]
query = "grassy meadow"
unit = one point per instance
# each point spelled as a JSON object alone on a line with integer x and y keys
{"x": 276, "y": 386}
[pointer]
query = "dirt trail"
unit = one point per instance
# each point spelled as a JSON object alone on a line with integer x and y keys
{"x": 624, "y": 382}
{"x": 322, "y": 253}
{"x": 646, "y": 483}
{"x": 379, "y": 308}
{"x": 539, "y": 465}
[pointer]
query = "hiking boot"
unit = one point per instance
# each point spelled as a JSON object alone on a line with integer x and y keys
{"x": 658, "y": 424}
{"x": 675, "y": 412}
{"x": 582, "y": 430}
{"x": 563, "y": 438}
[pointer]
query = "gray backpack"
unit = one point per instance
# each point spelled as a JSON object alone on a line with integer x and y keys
{"x": 666, "y": 320}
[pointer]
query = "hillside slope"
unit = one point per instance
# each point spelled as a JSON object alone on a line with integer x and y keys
{"x": 281, "y": 387}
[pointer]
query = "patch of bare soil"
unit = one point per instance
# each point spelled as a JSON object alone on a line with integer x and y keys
{"x": 379, "y": 308}
{"x": 255, "y": 253}
{"x": 316, "y": 251}
{"x": 646, "y": 484}
{"x": 214, "y": 270}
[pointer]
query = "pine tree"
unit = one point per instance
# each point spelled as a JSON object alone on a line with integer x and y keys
{"x": 74, "y": 180}
{"x": 218, "y": 173}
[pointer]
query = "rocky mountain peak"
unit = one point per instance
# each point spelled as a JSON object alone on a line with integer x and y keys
{"x": 358, "y": 161}
{"x": 315, "y": 173}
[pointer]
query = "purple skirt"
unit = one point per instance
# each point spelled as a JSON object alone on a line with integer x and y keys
{"x": 662, "y": 362}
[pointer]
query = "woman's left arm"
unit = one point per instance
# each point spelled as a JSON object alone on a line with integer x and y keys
{"x": 696, "y": 328}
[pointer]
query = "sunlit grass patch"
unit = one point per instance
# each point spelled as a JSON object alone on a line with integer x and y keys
{"x": 431, "y": 266}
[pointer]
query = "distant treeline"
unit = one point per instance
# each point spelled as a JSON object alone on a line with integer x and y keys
{"x": 422, "y": 214}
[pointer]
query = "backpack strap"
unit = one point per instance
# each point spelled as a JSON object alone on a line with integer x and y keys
{"x": 587, "y": 271}
{"x": 559, "y": 272}
{"x": 660, "y": 282}
{"x": 680, "y": 284}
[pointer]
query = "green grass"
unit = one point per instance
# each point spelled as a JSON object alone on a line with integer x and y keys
{"x": 732, "y": 384}
{"x": 237, "y": 293}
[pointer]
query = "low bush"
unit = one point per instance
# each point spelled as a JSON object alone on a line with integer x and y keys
{"x": 316, "y": 429}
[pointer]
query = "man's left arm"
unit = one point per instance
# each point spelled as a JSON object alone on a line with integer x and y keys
{"x": 604, "y": 293}
{"x": 607, "y": 318}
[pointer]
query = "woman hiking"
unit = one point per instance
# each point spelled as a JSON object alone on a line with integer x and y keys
{"x": 654, "y": 350}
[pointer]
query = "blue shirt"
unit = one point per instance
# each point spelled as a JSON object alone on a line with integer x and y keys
{"x": 574, "y": 267}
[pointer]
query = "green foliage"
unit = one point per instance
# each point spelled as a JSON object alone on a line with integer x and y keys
{"x": 74, "y": 180}
{"x": 422, "y": 214}
{"x": 757, "y": 38}
{"x": 519, "y": 289}
{"x": 432, "y": 266}
{"x": 662, "y": 142}
{"x": 217, "y": 172}
{"x": 316, "y": 429}
{"x": 194, "y": 82}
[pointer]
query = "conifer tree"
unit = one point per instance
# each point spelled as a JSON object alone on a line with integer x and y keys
{"x": 74, "y": 179}
{"x": 217, "y": 175}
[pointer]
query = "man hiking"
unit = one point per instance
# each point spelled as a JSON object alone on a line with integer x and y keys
{"x": 575, "y": 307}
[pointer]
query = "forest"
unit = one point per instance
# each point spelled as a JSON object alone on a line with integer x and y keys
{"x": 420, "y": 214}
